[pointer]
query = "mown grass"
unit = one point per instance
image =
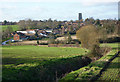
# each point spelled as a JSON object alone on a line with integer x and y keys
{"x": 88, "y": 72}
{"x": 37, "y": 52}
{"x": 29, "y": 62}
{"x": 14, "y": 27}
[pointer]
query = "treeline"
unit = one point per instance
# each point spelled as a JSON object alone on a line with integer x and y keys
{"x": 6, "y": 34}
{"x": 106, "y": 26}
{"x": 35, "y": 24}
{"x": 5, "y": 22}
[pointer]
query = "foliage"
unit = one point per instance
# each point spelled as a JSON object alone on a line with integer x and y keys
{"x": 110, "y": 26}
{"x": 38, "y": 42}
{"x": 5, "y": 22}
{"x": 26, "y": 24}
{"x": 31, "y": 24}
{"x": 97, "y": 22}
{"x": 69, "y": 38}
{"x": 6, "y": 33}
{"x": 51, "y": 39}
{"x": 89, "y": 21}
{"x": 88, "y": 36}
{"x": 6, "y": 30}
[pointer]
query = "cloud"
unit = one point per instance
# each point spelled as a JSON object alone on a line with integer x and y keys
{"x": 56, "y": 9}
{"x": 84, "y": 1}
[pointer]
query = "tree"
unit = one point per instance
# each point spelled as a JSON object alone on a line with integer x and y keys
{"x": 5, "y": 22}
{"x": 102, "y": 34}
{"x": 97, "y": 22}
{"x": 69, "y": 38}
{"x": 10, "y": 29}
{"x": 89, "y": 21}
{"x": 51, "y": 39}
{"x": 22, "y": 25}
{"x": 28, "y": 23}
{"x": 88, "y": 36}
{"x": 38, "y": 42}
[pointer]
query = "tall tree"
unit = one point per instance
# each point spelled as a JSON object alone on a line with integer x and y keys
{"x": 88, "y": 36}
{"x": 22, "y": 25}
{"x": 5, "y": 22}
{"x": 69, "y": 38}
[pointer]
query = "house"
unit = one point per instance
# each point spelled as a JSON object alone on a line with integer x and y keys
{"x": 24, "y": 32}
{"x": 82, "y": 24}
{"x": 42, "y": 33}
{"x": 56, "y": 30}
{"x": 48, "y": 31}
{"x": 31, "y": 31}
{"x": 18, "y": 36}
{"x": 27, "y": 32}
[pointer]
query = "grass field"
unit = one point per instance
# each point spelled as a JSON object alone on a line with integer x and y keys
{"x": 87, "y": 72}
{"x": 22, "y": 62}
{"x": 37, "y": 52}
{"x": 18, "y": 60}
{"x": 14, "y": 27}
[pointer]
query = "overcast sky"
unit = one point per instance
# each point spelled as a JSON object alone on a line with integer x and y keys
{"x": 15, "y": 10}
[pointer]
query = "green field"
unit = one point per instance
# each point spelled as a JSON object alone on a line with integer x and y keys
{"x": 35, "y": 63}
{"x": 88, "y": 72}
{"x": 23, "y": 59}
{"x": 113, "y": 71}
{"x": 14, "y": 27}
{"x": 37, "y": 52}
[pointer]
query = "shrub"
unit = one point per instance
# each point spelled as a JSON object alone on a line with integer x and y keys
{"x": 38, "y": 42}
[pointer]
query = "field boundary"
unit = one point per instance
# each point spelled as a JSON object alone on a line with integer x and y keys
{"x": 91, "y": 71}
{"x": 105, "y": 67}
{"x": 63, "y": 45}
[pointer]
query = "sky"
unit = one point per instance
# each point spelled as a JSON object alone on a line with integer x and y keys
{"x": 15, "y": 10}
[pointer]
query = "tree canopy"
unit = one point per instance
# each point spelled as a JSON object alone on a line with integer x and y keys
{"x": 88, "y": 36}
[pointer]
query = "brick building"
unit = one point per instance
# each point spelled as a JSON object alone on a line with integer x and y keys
{"x": 16, "y": 37}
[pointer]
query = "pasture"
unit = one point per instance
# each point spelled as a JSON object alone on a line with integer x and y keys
{"x": 17, "y": 60}
{"x": 14, "y": 27}
{"x": 30, "y": 62}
